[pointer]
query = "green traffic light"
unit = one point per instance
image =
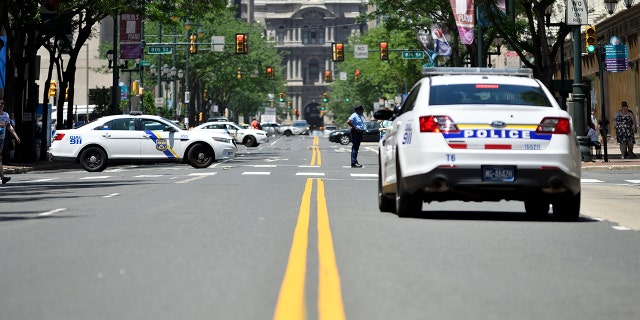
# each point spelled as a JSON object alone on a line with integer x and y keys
{"x": 591, "y": 48}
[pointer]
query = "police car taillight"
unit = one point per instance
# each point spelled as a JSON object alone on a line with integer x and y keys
{"x": 437, "y": 124}
{"x": 554, "y": 126}
{"x": 58, "y": 136}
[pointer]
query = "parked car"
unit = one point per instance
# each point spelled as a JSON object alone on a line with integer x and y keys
{"x": 370, "y": 134}
{"x": 272, "y": 128}
{"x": 299, "y": 127}
{"x": 249, "y": 137}
{"x": 479, "y": 134}
{"x": 329, "y": 128}
{"x": 138, "y": 138}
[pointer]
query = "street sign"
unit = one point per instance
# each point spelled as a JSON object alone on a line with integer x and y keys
{"x": 616, "y": 57}
{"x": 160, "y": 50}
{"x": 361, "y": 51}
{"x": 145, "y": 63}
{"x": 576, "y": 12}
{"x": 217, "y": 44}
{"x": 412, "y": 54}
{"x": 158, "y": 102}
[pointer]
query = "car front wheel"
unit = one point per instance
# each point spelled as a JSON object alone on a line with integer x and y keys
{"x": 200, "y": 156}
{"x": 93, "y": 159}
{"x": 288, "y": 133}
{"x": 385, "y": 203}
{"x": 250, "y": 141}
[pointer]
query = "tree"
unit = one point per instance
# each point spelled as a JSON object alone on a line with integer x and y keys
{"x": 524, "y": 31}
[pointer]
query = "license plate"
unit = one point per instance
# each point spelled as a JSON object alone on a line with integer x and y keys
{"x": 499, "y": 173}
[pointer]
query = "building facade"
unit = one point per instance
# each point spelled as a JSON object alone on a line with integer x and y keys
{"x": 303, "y": 31}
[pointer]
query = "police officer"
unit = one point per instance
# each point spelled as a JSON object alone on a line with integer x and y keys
{"x": 356, "y": 122}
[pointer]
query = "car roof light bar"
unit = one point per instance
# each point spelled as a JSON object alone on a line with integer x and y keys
{"x": 439, "y": 71}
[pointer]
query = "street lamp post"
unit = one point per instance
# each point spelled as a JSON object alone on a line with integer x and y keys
{"x": 122, "y": 66}
{"x": 165, "y": 76}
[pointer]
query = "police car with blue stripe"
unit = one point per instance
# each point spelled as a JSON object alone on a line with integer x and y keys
{"x": 138, "y": 138}
{"x": 479, "y": 134}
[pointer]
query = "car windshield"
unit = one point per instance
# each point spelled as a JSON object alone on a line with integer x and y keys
{"x": 299, "y": 124}
{"x": 482, "y": 94}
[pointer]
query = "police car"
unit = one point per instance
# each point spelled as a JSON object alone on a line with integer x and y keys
{"x": 132, "y": 138}
{"x": 248, "y": 137}
{"x": 478, "y": 134}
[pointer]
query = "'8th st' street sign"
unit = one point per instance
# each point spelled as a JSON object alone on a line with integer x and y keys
{"x": 412, "y": 54}
{"x": 160, "y": 50}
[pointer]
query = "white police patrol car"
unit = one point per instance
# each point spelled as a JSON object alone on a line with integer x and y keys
{"x": 478, "y": 134}
{"x": 133, "y": 138}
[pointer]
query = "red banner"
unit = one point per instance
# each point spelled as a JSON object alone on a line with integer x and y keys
{"x": 463, "y": 14}
{"x": 130, "y": 36}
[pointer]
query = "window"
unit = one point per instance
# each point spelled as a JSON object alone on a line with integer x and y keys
{"x": 123, "y": 124}
{"x": 151, "y": 125}
{"x": 488, "y": 94}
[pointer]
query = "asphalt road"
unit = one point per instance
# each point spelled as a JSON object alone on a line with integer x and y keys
{"x": 289, "y": 231}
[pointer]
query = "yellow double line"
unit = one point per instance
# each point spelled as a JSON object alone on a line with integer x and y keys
{"x": 291, "y": 300}
{"x": 316, "y": 157}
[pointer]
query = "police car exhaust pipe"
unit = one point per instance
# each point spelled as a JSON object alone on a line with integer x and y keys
{"x": 438, "y": 184}
{"x": 556, "y": 186}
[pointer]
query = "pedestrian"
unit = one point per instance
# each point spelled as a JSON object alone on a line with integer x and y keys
{"x": 625, "y": 124}
{"x": 255, "y": 124}
{"x": 5, "y": 125}
{"x": 356, "y": 122}
{"x": 384, "y": 126}
{"x": 594, "y": 119}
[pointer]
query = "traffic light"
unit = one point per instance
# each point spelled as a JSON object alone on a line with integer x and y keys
{"x": 135, "y": 88}
{"x": 289, "y": 104}
{"x": 338, "y": 51}
{"x": 282, "y": 96}
{"x": 241, "y": 43}
{"x": 327, "y": 76}
{"x": 204, "y": 94}
{"x": 200, "y": 116}
{"x": 270, "y": 74}
{"x": 239, "y": 73}
{"x": 193, "y": 47}
{"x": 357, "y": 75}
{"x": 325, "y": 98}
{"x": 52, "y": 88}
{"x": 66, "y": 93}
{"x": 590, "y": 42}
{"x": 384, "y": 51}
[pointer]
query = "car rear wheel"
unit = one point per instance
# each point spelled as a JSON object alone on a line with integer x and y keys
{"x": 344, "y": 140}
{"x": 536, "y": 207}
{"x": 200, "y": 156}
{"x": 385, "y": 203}
{"x": 288, "y": 133}
{"x": 407, "y": 204}
{"x": 567, "y": 208}
{"x": 93, "y": 159}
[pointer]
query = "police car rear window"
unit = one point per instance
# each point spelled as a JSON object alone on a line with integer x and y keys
{"x": 488, "y": 94}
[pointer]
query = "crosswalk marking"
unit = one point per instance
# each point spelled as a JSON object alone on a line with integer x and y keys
{"x": 590, "y": 180}
{"x": 263, "y": 173}
{"x": 633, "y": 181}
{"x": 364, "y": 175}
{"x": 95, "y": 177}
{"x": 317, "y": 174}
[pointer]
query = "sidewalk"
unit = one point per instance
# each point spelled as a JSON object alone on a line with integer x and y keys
{"x": 613, "y": 154}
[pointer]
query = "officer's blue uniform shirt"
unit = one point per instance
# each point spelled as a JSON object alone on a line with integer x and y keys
{"x": 357, "y": 120}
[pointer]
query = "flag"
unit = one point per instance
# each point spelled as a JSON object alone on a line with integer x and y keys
{"x": 440, "y": 43}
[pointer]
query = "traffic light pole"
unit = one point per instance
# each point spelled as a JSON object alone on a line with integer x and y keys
{"x": 604, "y": 122}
